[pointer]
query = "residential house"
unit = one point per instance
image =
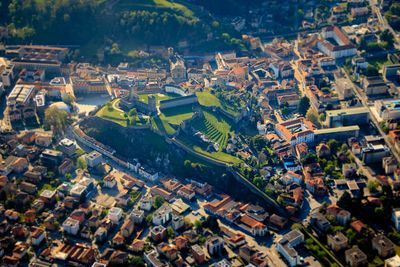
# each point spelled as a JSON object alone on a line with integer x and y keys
{"x": 198, "y": 254}
{"x": 320, "y": 223}
{"x": 186, "y": 192}
{"x": 137, "y": 216}
{"x": 355, "y": 257}
{"x": 158, "y": 233}
{"x": 383, "y": 246}
{"x": 252, "y": 226}
{"x": 115, "y": 214}
{"x": 396, "y": 218}
{"x": 337, "y": 241}
{"x": 215, "y": 245}
{"x": 127, "y": 228}
{"x": 162, "y": 215}
{"x": 109, "y": 181}
{"x": 37, "y": 235}
{"x": 71, "y": 226}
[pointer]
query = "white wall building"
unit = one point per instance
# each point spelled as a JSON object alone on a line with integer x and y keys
{"x": 286, "y": 247}
{"x": 162, "y": 215}
{"x": 71, "y": 226}
{"x": 115, "y": 214}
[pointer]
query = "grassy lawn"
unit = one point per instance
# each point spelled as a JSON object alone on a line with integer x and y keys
{"x": 177, "y": 115}
{"x": 113, "y": 115}
{"x": 219, "y": 156}
{"x": 175, "y": 6}
{"x": 162, "y": 126}
{"x": 46, "y": 187}
{"x": 116, "y": 115}
{"x": 159, "y": 97}
{"x": 156, "y": 5}
{"x": 379, "y": 63}
{"x": 376, "y": 262}
{"x": 208, "y": 100}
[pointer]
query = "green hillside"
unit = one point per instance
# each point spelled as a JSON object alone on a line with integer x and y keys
{"x": 117, "y": 26}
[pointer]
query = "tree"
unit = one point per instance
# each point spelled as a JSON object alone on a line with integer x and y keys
{"x": 198, "y": 225}
{"x": 109, "y": 106}
{"x": 333, "y": 145}
{"x": 304, "y": 105}
{"x": 312, "y": 116}
{"x": 345, "y": 201}
{"x": 372, "y": 185}
{"x": 258, "y": 142}
{"x": 387, "y": 36}
{"x": 212, "y": 223}
{"x": 135, "y": 261}
{"x": 81, "y": 163}
{"x": 132, "y": 116}
{"x": 56, "y": 119}
{"x": 285, "y": 111}
{"x": 158, "y": 201}
{"x": 68, "y": 99}
{"x": 322, "y": 117}
{"x": 309, "y": 158}
{"x": 115, "y": 49}
{"x": 149, "y": 219}
{"x": 371, "y": 70}
{"x": 296, "y": 226}
{"x": 132, "y": 112}
{"x": 170, "y": 232}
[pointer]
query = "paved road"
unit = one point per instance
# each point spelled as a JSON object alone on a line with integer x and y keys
{"x": 383, "y": 21}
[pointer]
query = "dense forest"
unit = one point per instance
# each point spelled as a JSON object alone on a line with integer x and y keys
{"x": 55, "y": 21}
{"x": 102, "y": 22}
{"x": 120, "y": 26}
{"x": 151, "y": 26}
{"x": 78, "y": 22}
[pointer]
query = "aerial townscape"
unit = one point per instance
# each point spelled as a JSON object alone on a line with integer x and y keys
{"x": 200, "y": 133}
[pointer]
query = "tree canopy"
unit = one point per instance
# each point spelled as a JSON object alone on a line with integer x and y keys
{"x": 56, "y": 119}
{"x": 304, "y": 105}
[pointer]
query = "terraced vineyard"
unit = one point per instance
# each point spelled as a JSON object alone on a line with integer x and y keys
{"x": 213, "y": 127}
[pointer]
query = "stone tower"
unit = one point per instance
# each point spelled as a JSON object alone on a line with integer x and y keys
{"x": 152, "y": 102}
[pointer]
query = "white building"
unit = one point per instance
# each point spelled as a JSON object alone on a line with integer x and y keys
{"x": 67, "y": 146}
{"x": 393, "y": 261}
{"x": 388, "y": 109}
{"x": 162, "y": 215}
{"x": 71, "y": 226}
{"x": 149, "y": 176}
{"x": 136, "y": 215}
{"x": 37, "y": 236}
{"x": 110, "y": 181}
{"x": 286, "y": 247}
{"x": 172, "y": 89}
{"x": 396, "y": 218}
{"x": 93, "y": 159}
{"x": 115, "y": 214}
{"x": 177, "y": 222}
{"x": 341, "y": 47}
{"x": 214, "y": 245}
{"x": 146, "y": 204}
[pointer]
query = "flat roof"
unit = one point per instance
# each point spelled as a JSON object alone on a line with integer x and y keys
{"x": 337, "y": 129}
{"x": 347, "y": 111}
